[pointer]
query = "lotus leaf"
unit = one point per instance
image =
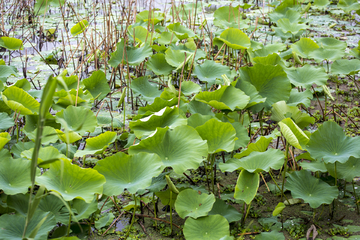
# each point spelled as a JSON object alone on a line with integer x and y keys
{"x": 4, "y": 139}
{"x": 45, "y": 154}
{"x": 20, "y": 101}
{"x": 190, "y": 203}
{"x": 246, "y": 186}
{"x": 229, "y": 16}
{"x": 180, "y": 31}
{"x": 42, "y": 6}
{"x": 23, "y": 84}
{"x": 156, "y": 106}
{"x": 72, "y": 181}
{"x": 210, "y": 71}
{"x": 158, "y": 64}
{"x": 270, "y": 236}
{"x": 77, "y": 119}
{"x": 181, "y": 148}
{"x": 79, "y": 27}
{"x": 68, "y": 136}
{"x": 225, "y": 210}
{"x": 264, "y": 51}
{"x": 242, "y": 135}
{"x": 152, "y": 16}
{"x": 347, "y": 171}
{"x": 307, "y": 75}
{"x": 132, "y": 172}
{"x": 235, "y": 38}
{"x": 321, "y": 3}
{"x": 346, "y": 67}
{"x": 11, "y": 43}
{"x": 293, "y": 134}
{"x": 51, "y": 203}
{"x": 189, "y": 88}
{"x": 97, "y": 85}
{"x": 331, "y": 43}
{"x": 212, "y": 227}
{"x": 281, "y": 111}
{"x": 198, "y": 119}
{"x": 311, "y": 189}
{"x": 7, "y": 71}
{"x": 49, "y": 135}
{"x": 225, "y": 98}
{"x": 167, "y": 38}
{"x": 176, "y": 58}
{"x": 290, "y": 27}
{"x": 271, "y": 59}
{"x": 304, "y": 47}
{"x": 348, "y": 5}
{"x": 297, "y": 98}
{"x": 199, "y": 107}
{"x": 139, "y": 34}
{"x": 84, "y": 209}
{"x": 147, "y": 90}
{"x": 321, "y": 54}
{"x": 331, "y": 144}
{"x": 314, "y": 166}
{"x": 220, "y": 136}
{"x": 98, "y": 144}
{"x": 251, "y": 91}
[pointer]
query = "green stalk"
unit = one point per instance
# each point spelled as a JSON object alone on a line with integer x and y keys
{"x": 282, "y": 193}
{"x": 153, "y": 200}
{"x": 261, "y": 122}
{"x": 356, "y": 201}
{"x": 285, "y": 169}
{"x": 335, "y": 174}
{"x": 132, "y": 219}
{"x": 171, "y": 223}
{"x": 212, "y": 172}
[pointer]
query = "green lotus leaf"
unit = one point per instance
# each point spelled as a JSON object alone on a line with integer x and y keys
{"x": 156, "y": 106}
{"x": 140, "y": 34}
{"x": 225, "y": 210}
{"x": 198, "y": 119}
{"x": 14, "y": 175}
{"x": 331, "y": 144}
{"x": 4, "y": 139}
{"x": 278, "y": 209}
{"x": 181, "y": 148}
{"x": 311, "y": 189}
{"x": 84, "y": 209}
{"x": 235, "y": 38}
{"x": 180, "y": 31}
{"x": 290, "y": 27}
{"x": 297, "y": 98}
{"x": 354, "y": 52}
{"x": 322, "y": 54}
{"x": 21, "y": 146}
{"x": 164, "y": 197}
{"x": 306, "y": 76}
{"x": 23, "y": 84}
{"x": 42, "y": 6}
{"x": 348, "y": 5}
{"x": 251, "y": 91}
{"x": 225, "y": 98}
{"x": 98, "y": 144}
{"x": 270, "y": 236}
{"x": 242, "y": 135}
{"x": 304, "y": 47}
{"x": 281, "y": 111}
{"x": 271, "y": 59}
{"x": 45, "y": 154}
{"x": 228, "y": 16}
{"x": 176, "y": 58}
{"x": 152, "y": 16}
{"x": 167, "y": 38}
{"x": 246, "y": 186}
{"x": 11, "y": 43}
{"x": 210, "y": 71}
{"x": 49, "y": 135}
{"x": 331, "y": 43}
{"x": 147, "y": 90}
{"x": 68, "y": 136}
{"x": 321, "y": 4}
{"x": 77, "y": 119}
{"x": 5, "y": 121}
{"x": 346, "y": 67}
{"x": 97, "y": 85}
{"x": 158, "y": 64}
{"x": 7, "y": 71}
{"x": 293, "y": 134}
{"x": 200, "y": 107}
{"x": 220, "y": 136}
{"x": 189, "y": 88}
{"x": 270, "y": 81}
{"x": 265, "y": 51}
{"x": 190, "y": 203}
{"x": 20, "y": 101}
{"x": 212, "y": 227}
{"x": 72, "y": 181}
{"x": 314, "y": 166}
{"x": 292, "y": 15}
{"x": 132, "y": 172}
{"x": 51, "y": 203}
{"x": 347, "y": 171}
{"x": 168, "y": 116}
{"x": 13, "y": 226}
{"x": 256, "y": 162}
{"x": 79, "y": 27}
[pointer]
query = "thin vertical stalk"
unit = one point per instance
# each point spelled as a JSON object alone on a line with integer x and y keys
{"x": 356, "y": 201}
{"x": 285, "y": 168}
{"x": 132, "y": 219}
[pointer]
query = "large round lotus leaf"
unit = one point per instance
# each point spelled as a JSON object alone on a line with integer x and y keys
{"x": 331, "y": 43}
{"x": 53, "y": 204}
{"x": 152, "y": 16}
{"x": 4, "y": 139}
{"x": 212, "y": 227}
{"x": 330, "y": 144}
{"x": 229, "y": 16}
{"x": 11, "y": 43}
{"x": 270, "y": 81}
{"x": 77, "y": 119}
{"x": 143, "y": 87}
{"x": 176, "y": 58}
{"x": 181, "y": 148}
{"x": 246, "y": 186}
{"x": 98, "y": 144}
{"x": 209, "y": 71}
{"x": 199, "y": 107}
{"x": 220, "y": 136}
{"x": 292, "y": 15}
{"x": 311, "y": 189}
{"x": 14, "y": 175}
{"x": 72, "y": 181}
{"x": 281, "y": 111}
{"x": 13, "y": 226}
{"x": 79, "y": 27}
{"x": 158, "y": 64}
{"x": 347, "y": 171}
{"x": 97, "y": 85}
{"x": 140, "y": 34}
{"x": 180, "y": 31}
{"x": 156, "y": 106}
{"x": 189, "y": 203}
{"x": 268, "y": 49}
{"x": 225, "y": 98}
{"x": 271, "y": 59}
{"x": 225, "y": 210}
{"x": 307, "y": 75}
{"x": 6, "y": 121}
{"x": 293, "y": 134}
{"x": 168, "y": 116}
{"x": 256, "y": 162}
{"x": 189, "y": 88}
{"x": 297, "y": 98}
{"x": 68, "y": 136}
{"x": 251, "y": 91}
{"x": 167, "y": 38}
{"x": 314, "y": 166}
{"x": 20, "y": 101}
{"x": 242, "y": 135}
{"x": 322, "y": 54}
{"x": 49, "y": 135}
{"x": 345, "y": 66}
{"x": 321, "y": 4}
{"x": 290, "y": 27}
{"x": 349, "y": 5}
{"x": 304, "y": 47}
{"x": 6, "y": 71}
{"x": 132, "y": 172}
{"x": 235, "y": 38}
{"x": 42, "y": 6}
{"x": 45, "y": 154}
{"x": 198, "y": 119}
{"x": 270, "y": 236}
